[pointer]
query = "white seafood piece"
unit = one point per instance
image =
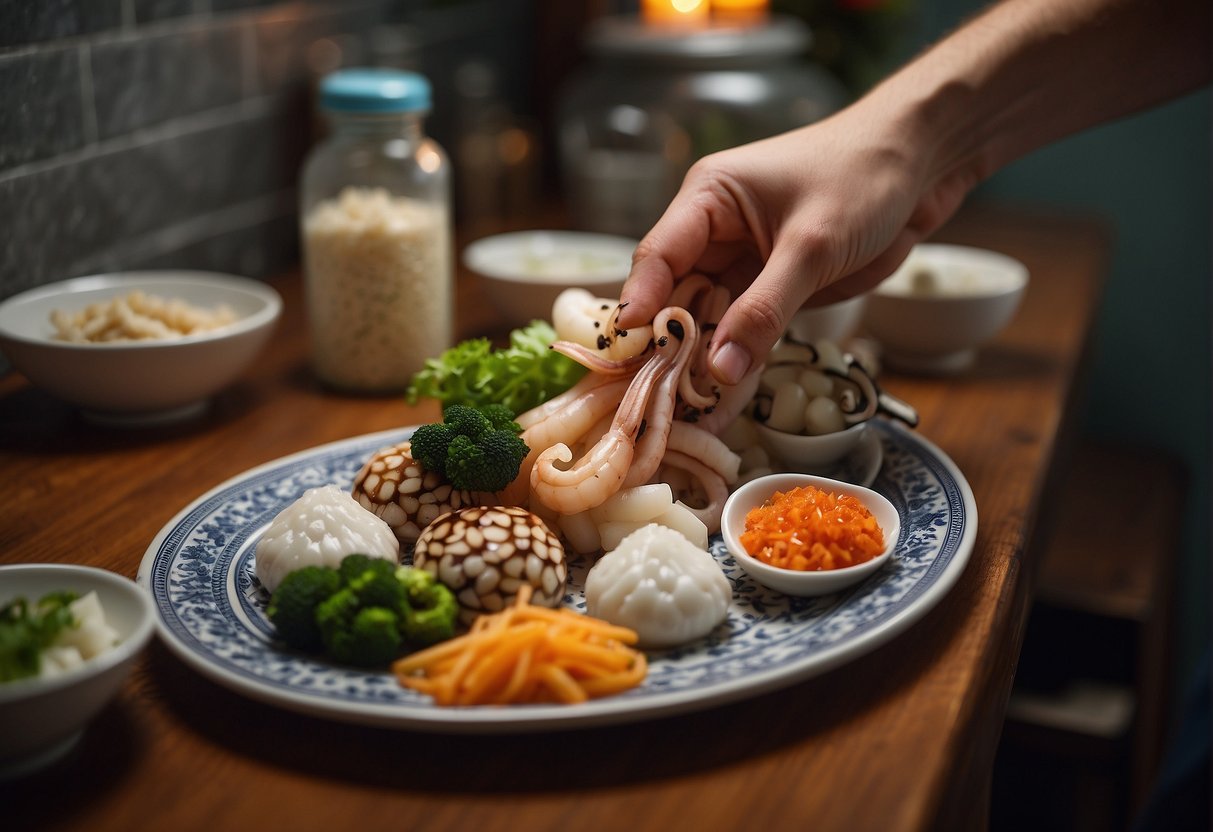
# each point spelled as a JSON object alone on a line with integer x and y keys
{"x": 715, "y": 490}
{"x": 580, "y": 532}
{"x": 635, "y": 505}
{"x": 580, "y": 317}
{"x": 678, "y": 516}
{"x": 320, "y": 529}
{"x": 661, "y": 585}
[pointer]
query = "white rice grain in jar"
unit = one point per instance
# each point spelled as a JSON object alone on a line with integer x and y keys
{"x": 376, "y": 234}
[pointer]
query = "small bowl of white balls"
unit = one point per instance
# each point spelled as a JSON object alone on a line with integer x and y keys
{"x": 814, "y": 403}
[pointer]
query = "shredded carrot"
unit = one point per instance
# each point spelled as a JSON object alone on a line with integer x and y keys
{"x": 527, "y": 654}
{"x": 809, "y": 529}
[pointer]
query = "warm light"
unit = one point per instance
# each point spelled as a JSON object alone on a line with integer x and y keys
{"x": 428, "y": 159}
{"x": 740, "y": 11}
{"x": 675, "y": 12}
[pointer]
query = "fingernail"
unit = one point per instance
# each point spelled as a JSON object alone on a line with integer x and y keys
{"x": 730, "y": 363}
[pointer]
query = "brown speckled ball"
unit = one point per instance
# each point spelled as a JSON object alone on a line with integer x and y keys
{"x": 485, "y": 554}
{"x": 407, "y": 497}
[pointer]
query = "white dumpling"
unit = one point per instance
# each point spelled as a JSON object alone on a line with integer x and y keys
{"x": 320, "y": 529}
{"x": 661, "y": 585}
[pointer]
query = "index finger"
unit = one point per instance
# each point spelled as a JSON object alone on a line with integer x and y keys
{"x": 666, "y": 253}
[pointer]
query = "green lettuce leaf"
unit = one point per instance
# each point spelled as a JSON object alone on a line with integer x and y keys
{"x": 521, "y": 376}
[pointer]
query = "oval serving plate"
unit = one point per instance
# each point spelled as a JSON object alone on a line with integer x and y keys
{"x": 211, "y": 610}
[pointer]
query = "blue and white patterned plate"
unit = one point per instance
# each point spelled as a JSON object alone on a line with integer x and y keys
{"x": 211, "y": 610}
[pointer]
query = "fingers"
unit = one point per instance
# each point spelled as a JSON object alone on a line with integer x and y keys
{"x": 759, "y": 316}
{"x": 667, "y": 252}
{"x": 868, "y": 276}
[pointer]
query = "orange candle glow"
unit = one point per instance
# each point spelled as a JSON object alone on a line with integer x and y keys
{"x": 741, "y": 10}
{"x": 675, "y": 12}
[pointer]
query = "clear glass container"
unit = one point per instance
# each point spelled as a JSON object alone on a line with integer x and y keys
{"x": 377, "y": 237}
{"x": 653, "y": 100}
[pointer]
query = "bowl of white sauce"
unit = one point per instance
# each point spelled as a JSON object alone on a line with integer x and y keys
{"x": 523, "y": 272}
{"x": 942, "y": 304}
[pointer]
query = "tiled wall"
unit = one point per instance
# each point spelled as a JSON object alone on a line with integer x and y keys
{"x": 153, "y": 133}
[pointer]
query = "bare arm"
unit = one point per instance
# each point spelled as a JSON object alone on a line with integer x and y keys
{"x": 831, "y": 209}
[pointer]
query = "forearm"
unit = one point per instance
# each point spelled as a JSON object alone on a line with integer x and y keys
{"x": 1027, "y": 72}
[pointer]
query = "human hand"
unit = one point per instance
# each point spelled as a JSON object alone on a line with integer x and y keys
{"x": 826, "y": 211}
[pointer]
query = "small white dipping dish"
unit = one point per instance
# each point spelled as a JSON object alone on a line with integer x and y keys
{"x": 42, "y": 718}
{"x": 941, "y": 304}
{"x": 793, "y": 581}
{"x": 804, "y": 451}
{"x": 524, "y": 271}
{"x": 146, "y": 381}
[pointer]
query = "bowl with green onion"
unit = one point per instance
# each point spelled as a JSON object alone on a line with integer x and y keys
{"x": 68, "y": 637}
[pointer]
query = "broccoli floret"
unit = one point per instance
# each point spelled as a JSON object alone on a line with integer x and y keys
{"x": 475, "y": 450}
{"x": 292, "y": 608}
{"x": 431, "y": 611}
{"x": 352, "y": 566}
{"x": 500, "y": 417}
{"x": 372, "y": 579}
{"x": 357, "y": 634}
{"x": 488, "y": 464}
{"x": 364, "y": 611}
{"x": 378, "y": 587}
{"x": 466, "y": 421}
{"x": 428, "y": 445}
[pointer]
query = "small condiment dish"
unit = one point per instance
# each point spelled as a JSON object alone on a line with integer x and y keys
{"x": 941, "y": 304}
{"x": 792, "y": 581}
{"x": 140, "y": 381}
{"x": 807, "y": 452}
{"x": 524, "y": 271}
{"x": 42, "y": 718}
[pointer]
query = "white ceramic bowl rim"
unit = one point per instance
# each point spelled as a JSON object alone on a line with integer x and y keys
{"x": 1015, "y": 272}
{"x": 124, "y": 282}
{"x": 21, "y": 689}
{"x": 812, "y": 450}
{"x": 494, "y": 256}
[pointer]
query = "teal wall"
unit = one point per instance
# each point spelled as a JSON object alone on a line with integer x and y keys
{"x": 1149, "y": 176}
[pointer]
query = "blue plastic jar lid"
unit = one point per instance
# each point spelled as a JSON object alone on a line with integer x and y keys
{"x": 374, "y": 91}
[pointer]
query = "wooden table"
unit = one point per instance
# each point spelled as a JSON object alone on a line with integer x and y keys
{"x": 902, "y": 739}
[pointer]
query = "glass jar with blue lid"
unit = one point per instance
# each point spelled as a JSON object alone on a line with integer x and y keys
{"x": 376, "y": 228}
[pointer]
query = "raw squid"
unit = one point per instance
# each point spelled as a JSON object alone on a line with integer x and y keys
{"x": 648, "y": 402}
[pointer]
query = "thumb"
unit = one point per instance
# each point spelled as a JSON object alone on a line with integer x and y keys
{"x": 758, "y": 317}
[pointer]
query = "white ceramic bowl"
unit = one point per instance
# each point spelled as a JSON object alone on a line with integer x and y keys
{"x": 146, "y": 380}
{"x": 524, "y": 271}
{"x": 832, "y": 322}
{"x": 792, "y": 581}
{"x": 943, "y": 303}
{"x": 42, "y": 718}
{"x": 802, "y": 451}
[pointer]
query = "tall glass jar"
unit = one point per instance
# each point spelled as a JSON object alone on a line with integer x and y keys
{"x": 376, "y": 229}
{"x": 652, "y": 100}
